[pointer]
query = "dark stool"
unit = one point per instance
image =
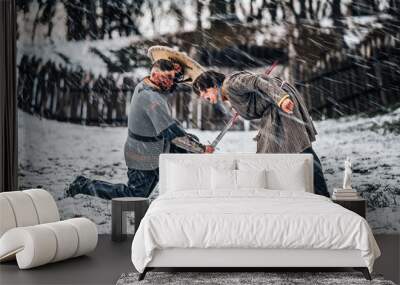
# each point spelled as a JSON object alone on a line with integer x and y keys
{"x": 119, "y": 207}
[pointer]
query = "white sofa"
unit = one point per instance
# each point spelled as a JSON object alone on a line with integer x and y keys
{"x": 31, "y": 231}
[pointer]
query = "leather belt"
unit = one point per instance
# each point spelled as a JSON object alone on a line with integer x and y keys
{"x": 144, "y": 138}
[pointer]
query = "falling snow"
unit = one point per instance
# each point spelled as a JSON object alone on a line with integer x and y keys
{"x": 52, "y": 154}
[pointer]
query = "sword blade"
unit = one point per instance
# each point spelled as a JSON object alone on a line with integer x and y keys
{"x": 224, "y": 130}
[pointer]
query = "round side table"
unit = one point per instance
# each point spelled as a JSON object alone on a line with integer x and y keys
{"x": 119, "y": 208}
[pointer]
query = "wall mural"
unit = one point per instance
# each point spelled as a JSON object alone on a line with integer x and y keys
{"x": 79, "y": 64}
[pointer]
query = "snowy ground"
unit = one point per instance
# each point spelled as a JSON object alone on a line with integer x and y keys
{"x": 52, "y": 154}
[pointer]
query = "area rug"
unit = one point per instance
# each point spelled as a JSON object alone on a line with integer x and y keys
{"x": 273, "y": 278}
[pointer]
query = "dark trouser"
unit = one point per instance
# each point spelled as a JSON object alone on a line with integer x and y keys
{"x": 140, "y": 184}
{"x": 320, "y": 187}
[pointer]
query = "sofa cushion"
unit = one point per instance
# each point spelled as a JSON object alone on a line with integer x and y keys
{"x": 45, "y": 205}
{"x": 26, "y": 208}
{"x": 23, "y": 208}
{"x": 67, "y": 240}
{"x": 7, "y": 220}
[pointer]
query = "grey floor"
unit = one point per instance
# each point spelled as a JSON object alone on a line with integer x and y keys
{"x": 103, "y": 266}
{"x": 110, "y": 260}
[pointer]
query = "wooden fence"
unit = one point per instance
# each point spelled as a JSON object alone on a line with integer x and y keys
{"x": 75, "y": 96}
{"x": 341, "y": 83}
{"x": 364, "y": 81}
{"x": 79, "y": 97}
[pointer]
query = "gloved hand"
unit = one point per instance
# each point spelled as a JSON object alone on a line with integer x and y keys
{"x": 287, "y": 106}
{"x": 208, "y": 149}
